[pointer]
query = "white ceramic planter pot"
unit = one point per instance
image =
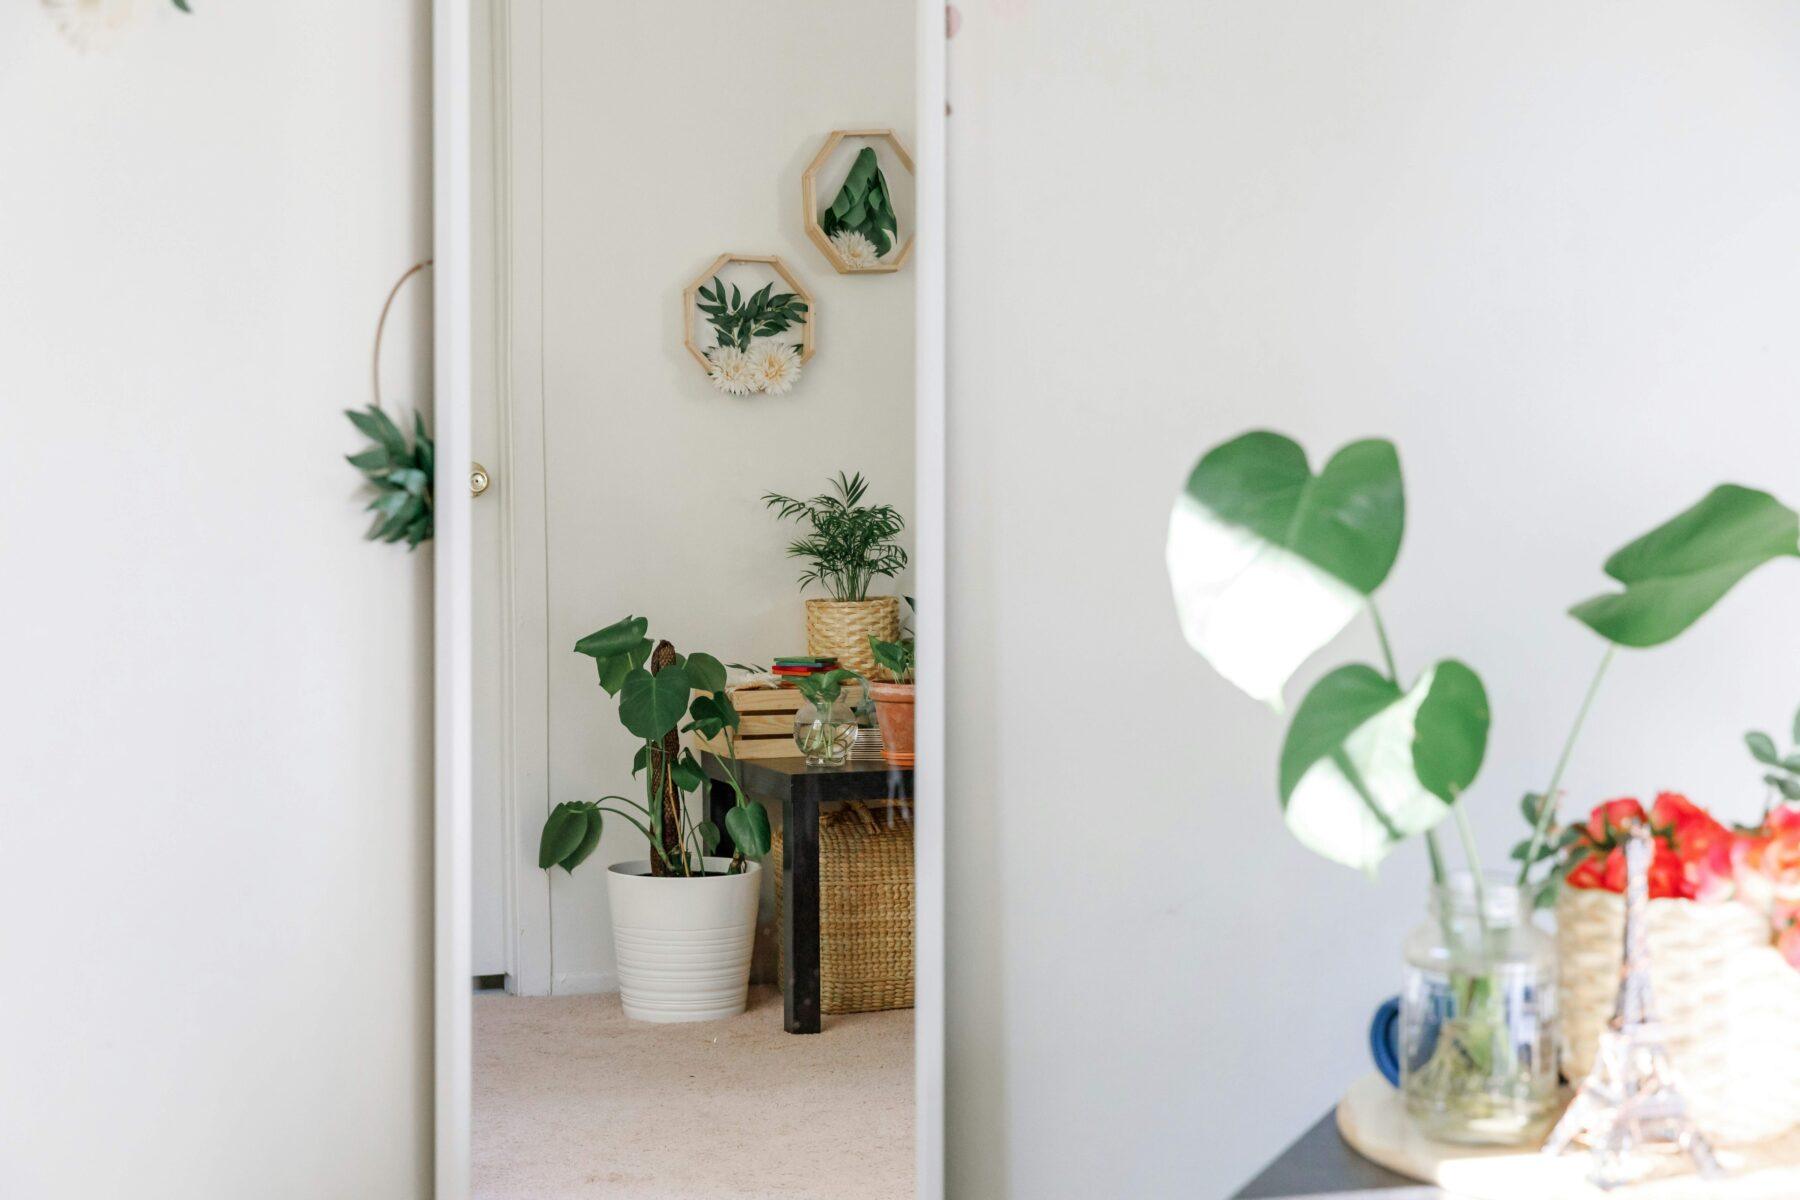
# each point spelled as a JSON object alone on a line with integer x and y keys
{"x": 683, "y": 943}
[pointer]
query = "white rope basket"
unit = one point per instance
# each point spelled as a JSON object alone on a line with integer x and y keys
{"x": 1728, "y": 1004}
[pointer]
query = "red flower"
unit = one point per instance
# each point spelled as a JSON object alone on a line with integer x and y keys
{"x": 1606, "y": 820}
{"x": 1702, "y": 845}
{"x": 1666, "y": 882}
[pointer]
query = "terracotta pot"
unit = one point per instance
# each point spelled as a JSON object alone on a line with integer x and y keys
{"x": 894, "y": 713}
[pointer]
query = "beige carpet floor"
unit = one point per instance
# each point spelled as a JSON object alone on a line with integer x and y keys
{"x": 572, "y": 1100}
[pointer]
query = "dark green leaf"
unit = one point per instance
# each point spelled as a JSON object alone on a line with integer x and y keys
{"x": 748, "y": 826}
{"x": 652, "y": 705}
{"x": 709, "y": 835}
{"x": 707, "y": 672}
{"x": 563, "y": 830}
{"x": 375, "y": 424}
{"x": 590, "y": 838}
{"x": 640, "y": 760}
{"x": 1680, "y": 569}
{"x": 617, "y": 638}
{"x": 687, "y": 773}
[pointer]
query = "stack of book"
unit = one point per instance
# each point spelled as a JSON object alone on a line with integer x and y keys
{"x": 799, "y": 667}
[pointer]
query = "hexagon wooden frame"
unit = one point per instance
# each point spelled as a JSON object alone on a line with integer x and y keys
{"x": 809, "y": 201}
{"x": 690, "y": 297}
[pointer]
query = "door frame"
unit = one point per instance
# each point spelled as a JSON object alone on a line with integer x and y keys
{"x": 453, "y": 122}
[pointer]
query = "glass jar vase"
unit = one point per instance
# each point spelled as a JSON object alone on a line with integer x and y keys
{"x": 825, "y": 738}
{"x": 1478, "y": 1018}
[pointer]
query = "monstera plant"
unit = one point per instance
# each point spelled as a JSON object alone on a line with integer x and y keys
{"x": 1270, "y": 560}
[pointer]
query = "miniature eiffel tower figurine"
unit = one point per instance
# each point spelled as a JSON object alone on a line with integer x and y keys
{"x": 1630, "y": 1100}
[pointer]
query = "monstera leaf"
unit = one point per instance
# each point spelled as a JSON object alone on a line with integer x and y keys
{"x": 652, "y": 705}
{"x": 1678, "y": 570}
{"x": 617, "y": 650}
{"x": 1269, "y": 562}
{"x": 1366, "y": 766}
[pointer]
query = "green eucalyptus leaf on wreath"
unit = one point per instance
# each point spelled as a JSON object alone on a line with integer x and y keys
{"x": 1680, "y": 569}
{"x": 400, "y": 474}
{"x": 1362, "y": 759}
{"x": 748, "y": 826}
{"x": 1269, "y": 562}
{"x": 1762, "y": 748}
{"x": 651, "y": 705}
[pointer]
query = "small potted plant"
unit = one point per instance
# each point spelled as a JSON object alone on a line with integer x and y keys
{"x": 684, "y": 919}
{"x": 894, "y": 699}
{"x": 848, "y": 546}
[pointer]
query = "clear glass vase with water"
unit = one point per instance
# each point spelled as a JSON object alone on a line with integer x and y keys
{"x": 1478, "y": 1017}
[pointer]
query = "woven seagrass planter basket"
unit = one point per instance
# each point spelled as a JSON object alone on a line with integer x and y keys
{"x": 1728, "y": 1004}
{"x": 841, "y": 629}
{"x": 865, "y": 908}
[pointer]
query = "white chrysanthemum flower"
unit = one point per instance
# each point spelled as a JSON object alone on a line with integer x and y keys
{"x": 730, "y": 371}
{"x": 774, "y": 367}
{"x": 91, "y": 24}
{"x": 856, "y": 250}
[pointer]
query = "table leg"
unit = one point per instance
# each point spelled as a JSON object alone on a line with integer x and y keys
{"x": 800, "y": 910}
{"x": 719, "y": 799}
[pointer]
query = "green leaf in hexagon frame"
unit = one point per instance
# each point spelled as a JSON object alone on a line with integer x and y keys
{"x": 1365, "y": 765}
{"x": 863, "y": 204}
{"x": 1269, "y": 562}
{"x": 1680, "y": 569}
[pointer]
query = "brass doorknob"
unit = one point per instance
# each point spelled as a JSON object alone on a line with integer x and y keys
{"x": 478, "y": 479}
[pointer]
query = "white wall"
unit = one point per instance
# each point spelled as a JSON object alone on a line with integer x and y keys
{"x": 673, "y": 133}
{"x": 215, "y": 774}
{"x": 1550, "y": 248}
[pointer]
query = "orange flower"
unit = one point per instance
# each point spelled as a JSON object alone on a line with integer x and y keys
{"x": 1768, "y": 863}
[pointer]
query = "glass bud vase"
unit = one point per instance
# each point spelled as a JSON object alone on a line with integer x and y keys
{"x": 1478, "y": 1019}
{"x": 825, "y": 738}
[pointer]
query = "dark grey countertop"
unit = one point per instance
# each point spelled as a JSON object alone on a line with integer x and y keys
{"x": 1319, "y": 1166}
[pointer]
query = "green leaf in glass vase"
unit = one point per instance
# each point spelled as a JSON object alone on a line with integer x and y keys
{"x": 652, "y": 705}
{"x": 1364, "y": 763}
{"x": 1680, "y": 569}
{"x": 1269, "y": 562}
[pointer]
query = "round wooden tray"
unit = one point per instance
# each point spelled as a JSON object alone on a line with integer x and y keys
{"x": 1374, "y": 1123}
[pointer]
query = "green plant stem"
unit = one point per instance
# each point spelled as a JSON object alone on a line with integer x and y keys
{"x": 1467, "y": 834}
{"x": 1542, "y": 827}
{"x": 1433, "y": 851}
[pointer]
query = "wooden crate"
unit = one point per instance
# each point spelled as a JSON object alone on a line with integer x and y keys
{"x": 766, "y": 722}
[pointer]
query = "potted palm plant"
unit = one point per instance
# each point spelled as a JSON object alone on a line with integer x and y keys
{"x": 684, "y": 918}
{"x": 848, "y": 545}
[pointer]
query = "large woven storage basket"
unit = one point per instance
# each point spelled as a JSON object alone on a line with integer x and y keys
{"x": 842, "y": 628}
{"x": 865, "y": 909}
{"x": 1728, "y": 1004}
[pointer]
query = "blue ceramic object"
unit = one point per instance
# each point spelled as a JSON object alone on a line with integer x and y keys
{"x": 1384, "y": 1039}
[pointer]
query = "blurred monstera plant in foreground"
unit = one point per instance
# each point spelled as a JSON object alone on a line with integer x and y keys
{"x": 1269, "y": 561}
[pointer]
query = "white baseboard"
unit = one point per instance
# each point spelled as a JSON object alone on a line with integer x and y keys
{"x": 584, "y": 983}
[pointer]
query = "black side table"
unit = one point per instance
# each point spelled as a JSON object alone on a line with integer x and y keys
{"x": 801, "y": 791}
{"x": 1319, "y": 1166}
